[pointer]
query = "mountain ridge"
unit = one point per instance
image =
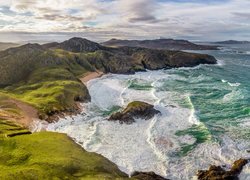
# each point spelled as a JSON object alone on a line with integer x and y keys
{"x": 167, "y": 44}
{"x": 90, "y": 55}
{"x": 232, "y": 42}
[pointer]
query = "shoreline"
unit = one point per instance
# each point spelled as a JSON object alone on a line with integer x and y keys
{"x": 85, "y": 78}
{"x": 90, "y": 76}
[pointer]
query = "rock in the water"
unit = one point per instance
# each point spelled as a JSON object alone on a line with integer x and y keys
{"x": 218, "y": 173}
{"x": 146, "y": 176}
{"x": 136, "y": 109}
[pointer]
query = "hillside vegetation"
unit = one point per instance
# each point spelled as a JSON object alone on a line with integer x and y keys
{"x": 45, "y": 155}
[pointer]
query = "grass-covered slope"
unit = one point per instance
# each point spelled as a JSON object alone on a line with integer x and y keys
{"x": 16, "y": 64}
{"x": 49, "y": 155}
{"x": 45, "y": 155}
{"x": 50, "y": 90}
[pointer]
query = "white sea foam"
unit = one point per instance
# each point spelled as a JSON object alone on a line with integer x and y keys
{"x": 231, "y": 84}
{"x": 245, "y": 122}
{"x": 220, "y": 62}
{"x": 144, "y": 145}
{"x": 234, "y": 84}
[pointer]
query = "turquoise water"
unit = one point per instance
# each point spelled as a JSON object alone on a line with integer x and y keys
{"x": 219, "y": 94}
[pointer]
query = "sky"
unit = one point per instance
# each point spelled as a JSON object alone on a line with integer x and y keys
{"x": 100, "y": 20}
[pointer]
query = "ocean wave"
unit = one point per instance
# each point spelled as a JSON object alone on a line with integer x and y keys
{"x": 234, "y": 95}
{"x": 228, "y": 50}
{"x": 231, "y": 84}
{"x": 220, "y": 62}
{"x": 245, "y": 122}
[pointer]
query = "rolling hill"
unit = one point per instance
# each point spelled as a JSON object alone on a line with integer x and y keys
{"x": 167, "y": 44}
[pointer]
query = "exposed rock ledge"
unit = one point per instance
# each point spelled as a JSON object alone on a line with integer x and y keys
{"x": 218, "y": 173}
{"x": 136, "y": 109}
{"x": 147, "y": 176}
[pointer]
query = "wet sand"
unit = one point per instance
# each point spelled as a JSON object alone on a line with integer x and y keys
{"x": 91, "y": 75}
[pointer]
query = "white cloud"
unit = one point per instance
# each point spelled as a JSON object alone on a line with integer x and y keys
{"x": 129, "y": 18}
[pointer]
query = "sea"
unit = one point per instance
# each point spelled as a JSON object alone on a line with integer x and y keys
{"x": 204, "y": 120}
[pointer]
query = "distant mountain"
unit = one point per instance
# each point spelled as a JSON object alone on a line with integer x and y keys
{"x": 233, "y": 42}
{"x": 5, "y": 45}
{"x": 169, "y": 44}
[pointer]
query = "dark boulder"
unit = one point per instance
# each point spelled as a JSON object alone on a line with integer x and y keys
{"x": 146, "y": 176}
{"x": 136, "y": 109}
{"x": 218, "y": 173}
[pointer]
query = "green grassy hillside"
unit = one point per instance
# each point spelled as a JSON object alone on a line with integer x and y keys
{"x": 50, "y": 90}
{"x": 45, "y": 155}
{"x": 51, "y": 155}
{"x": 48, "y": 155}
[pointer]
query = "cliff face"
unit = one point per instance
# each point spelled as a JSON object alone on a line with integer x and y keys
{"x": 167, "y": 44}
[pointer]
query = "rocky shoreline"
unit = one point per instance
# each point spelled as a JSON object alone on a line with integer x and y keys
{"x": 217, "y": 172}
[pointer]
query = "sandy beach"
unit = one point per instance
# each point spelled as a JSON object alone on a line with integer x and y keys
{"x": 91, "y": 75}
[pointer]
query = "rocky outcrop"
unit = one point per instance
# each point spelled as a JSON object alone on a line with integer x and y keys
{"x": 218, "y": 173}
{"x": 146, "y": 176}
{"x": 169, "y": 44}
{"x": 136, "y": 109}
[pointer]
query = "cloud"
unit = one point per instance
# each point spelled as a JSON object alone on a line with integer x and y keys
{"x": 138, "y": 11}
{"x": 245, "y": 15}
{"x": 139, "y": 19}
